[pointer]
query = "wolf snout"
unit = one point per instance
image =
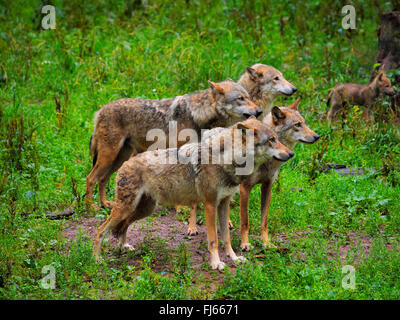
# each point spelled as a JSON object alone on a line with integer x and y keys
{"x": 256, "y": 114}
{"x": 390, "y": 92}
{"x": 284, "y": 156}
{"x": 288, "y": 91}
{"x": 316, "y": 137}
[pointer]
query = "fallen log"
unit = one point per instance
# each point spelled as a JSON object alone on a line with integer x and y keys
{"x": 60, "y": 215}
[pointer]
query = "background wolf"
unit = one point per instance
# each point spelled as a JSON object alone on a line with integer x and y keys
{"x": 291, "y": 128}
{"x": 359, "y": 94}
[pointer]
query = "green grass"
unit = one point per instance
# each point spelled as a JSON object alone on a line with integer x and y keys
{"x": 52, "y": 82}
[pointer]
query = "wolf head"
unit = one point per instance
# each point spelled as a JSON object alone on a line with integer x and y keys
{"x": 233, "y": 101}
{"x": 270, "y": 80}
{"x": 383, "y": 84}
{"x": 290, "y": 126}
{"x": 266, "y": 143}
{"x": 264, "y": 84}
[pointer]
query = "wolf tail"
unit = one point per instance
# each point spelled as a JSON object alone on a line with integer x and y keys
{"x": 329, "y": 98}
{"x": 93, "y": 142}
{"x": 118, "y": 229}
{"x": 93, "y": 148}
{"x": 121, "y": 227}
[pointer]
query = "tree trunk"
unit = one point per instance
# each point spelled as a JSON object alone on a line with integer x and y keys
{"x": 389, "y": 50}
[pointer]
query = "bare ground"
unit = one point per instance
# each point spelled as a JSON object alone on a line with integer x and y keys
{"x": 163, "y": 234}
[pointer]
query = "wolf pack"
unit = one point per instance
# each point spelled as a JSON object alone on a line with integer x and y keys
{"x": 238, "y": 119}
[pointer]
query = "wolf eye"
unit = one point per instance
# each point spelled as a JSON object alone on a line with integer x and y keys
{"x": 298, "y": 125}
{"x": 241, "y": 99}
{"x": 272, "y": 139}
{"x": 276, "y": 78}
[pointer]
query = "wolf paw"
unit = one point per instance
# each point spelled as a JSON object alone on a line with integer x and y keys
{"x": 219, "y": 265}
{"x": 245, "y": 247}
{"x": 107, "y": 204}
{"x": 192, "y": 231}
{"x": 128, "y": 247}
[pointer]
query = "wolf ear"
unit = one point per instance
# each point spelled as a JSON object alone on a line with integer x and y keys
{"x": 295, "y": 104}
{"x": 216, "y": 87}
{"x": 241, "y": 126}
{"x": 381, "y": 74}
{"x": 277, "y": 114}
{"x": 253, "y": 73}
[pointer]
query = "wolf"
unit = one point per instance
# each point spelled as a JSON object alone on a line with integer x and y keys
{"x": 291, "y": 128}
{"x": 143, "y": 181}
{"x": 121, "y": 126}
{"x": 265, "y": 83}
{"x": 359, "y": 94}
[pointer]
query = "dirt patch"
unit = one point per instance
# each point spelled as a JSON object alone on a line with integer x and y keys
{"x": 353, "y": 249}
{"x": 162, "y": 233}
{"x": 357, "y": 247}
{"x": 165, "y": 233}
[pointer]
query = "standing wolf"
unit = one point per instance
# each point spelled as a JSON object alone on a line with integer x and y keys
{"x": 121, "y": 126}
{"x": 359, "y": 94}
{"x": 144, "y": 180}
{"x": 290, "y": 128}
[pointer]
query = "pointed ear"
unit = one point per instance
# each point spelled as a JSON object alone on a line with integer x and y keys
{"x": 252, "y": 73}
{"x": 242, "y": 129}
{"x": 241, "y": 126}
{"x": 380, "y": 75}
{"x": 277, "y": 114}
{"x": 216, "y": 86}
{"x": 295, "y": 104}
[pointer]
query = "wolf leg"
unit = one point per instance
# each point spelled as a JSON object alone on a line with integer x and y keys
{"x": 368, "y": 114}
{"x": 333, "y": 110}
{"x": 105, "y": 159}
{"x": 128, "y": 198}
{"x": 223, "y": 217}
{"x": 244, "y": 216}
{"x": 211, "y": 224}
{"x": 266, "y": 193}
{"x": 144, "y": 208}
{"x": 124, "y": 154}
{"x": 192, "y": 228}
{"x": 117, "y": 215}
